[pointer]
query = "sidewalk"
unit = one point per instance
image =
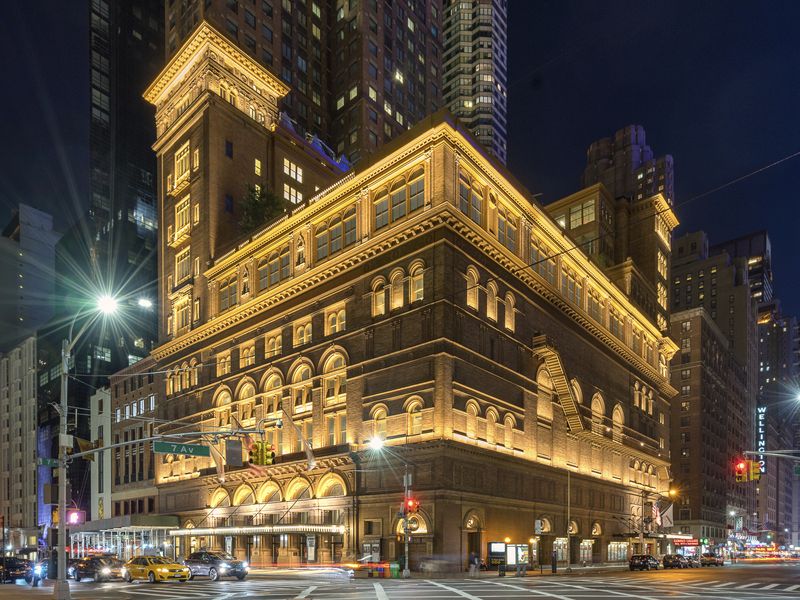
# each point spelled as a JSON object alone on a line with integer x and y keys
{"x": 535, "y": 572}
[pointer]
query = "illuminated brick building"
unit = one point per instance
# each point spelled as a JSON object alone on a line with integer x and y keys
{"x": 397, "y": 302}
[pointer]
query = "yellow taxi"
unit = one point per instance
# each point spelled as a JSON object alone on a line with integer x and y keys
{"x": 154, "y": 569}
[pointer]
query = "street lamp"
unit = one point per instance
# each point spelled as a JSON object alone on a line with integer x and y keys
{"x": 105, "y": 305}
{"x": 379, "y": 445}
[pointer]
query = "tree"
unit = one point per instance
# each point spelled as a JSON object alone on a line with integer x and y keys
{"x": 260, "y": 206}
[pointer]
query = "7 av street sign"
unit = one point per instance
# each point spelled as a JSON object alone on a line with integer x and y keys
{"x": 186, "y": 449}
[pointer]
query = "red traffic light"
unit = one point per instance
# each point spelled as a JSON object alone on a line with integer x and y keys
{"x": 76, "y": 517}
{"x": 740, "y": 466}
{"x": 411, "y": 505}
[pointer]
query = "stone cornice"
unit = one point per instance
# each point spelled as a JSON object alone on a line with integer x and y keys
{"x": 205, "y": 34}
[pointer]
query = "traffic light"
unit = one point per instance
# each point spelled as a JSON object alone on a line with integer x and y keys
{"x": 410, "y": 506}
{"x": 76, "y": 517}
{"x": 755, "y": 470}
{"x": 262, "y": 454}
{"x": 741, "y": 471}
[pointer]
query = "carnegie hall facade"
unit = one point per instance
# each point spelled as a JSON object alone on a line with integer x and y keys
{"x": 424, "y": 299}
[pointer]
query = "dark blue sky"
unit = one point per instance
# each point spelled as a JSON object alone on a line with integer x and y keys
{"x": 715, "y": 83}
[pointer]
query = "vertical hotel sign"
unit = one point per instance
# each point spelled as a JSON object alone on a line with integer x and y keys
{"x": 761, "y": 436}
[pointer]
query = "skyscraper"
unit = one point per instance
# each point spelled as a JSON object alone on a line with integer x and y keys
{"x": 719, "y": 285}
{"x": 359, "y": 73}
{"x": 27, "y": 273}
{"x": 474, "y": 65}
{"x": 627, "y": 166}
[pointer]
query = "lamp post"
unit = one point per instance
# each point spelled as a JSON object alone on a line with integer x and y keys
{"x": 106, "y": 305}
{"x": 379, "y": 445}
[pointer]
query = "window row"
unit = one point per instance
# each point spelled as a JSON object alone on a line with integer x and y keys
{"x": 473, "y": 291}
{"x": 391, "y": 294}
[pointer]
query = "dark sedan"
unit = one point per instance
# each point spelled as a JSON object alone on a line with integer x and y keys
{"x": 12, "y": 568}
{"x": 215, "y": 565}
{"x": 99, "y": 568}
{"x": 675, "y": 561}
{"x": 643, "y": 562}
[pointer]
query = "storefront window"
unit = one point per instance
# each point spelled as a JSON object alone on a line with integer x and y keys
{"x": 617, "y": 551}
{"x": 560, "y": 548}
{"x": 586, "y": 551}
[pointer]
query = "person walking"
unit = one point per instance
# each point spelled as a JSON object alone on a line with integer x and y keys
{"x": 474, "y": 565}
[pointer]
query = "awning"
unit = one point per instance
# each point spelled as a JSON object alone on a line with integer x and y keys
{"x": 127, "y": 523}
{"x": 258, "y": 530}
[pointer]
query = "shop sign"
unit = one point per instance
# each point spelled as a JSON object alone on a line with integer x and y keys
{"x": 691, "y": 542}
{"x": 761, "y": 436}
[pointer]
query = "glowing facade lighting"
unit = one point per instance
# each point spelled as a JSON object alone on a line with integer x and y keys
{"x": 376, "y": 443}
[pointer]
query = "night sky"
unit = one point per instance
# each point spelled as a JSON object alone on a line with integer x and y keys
{"x": 715, "y": 84}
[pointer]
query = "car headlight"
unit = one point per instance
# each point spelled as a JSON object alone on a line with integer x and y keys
{"x": 105, "y": 571}
{"x": 37, "y": 569}
{"x": 224, "y": 565}
{"x": 245, "y": 564}
{"x": 163, "y": 570}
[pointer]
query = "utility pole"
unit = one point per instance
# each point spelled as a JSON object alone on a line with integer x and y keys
{"x": 569, "y": 522}
{"x": 406, "y": 496}
{"x": 61, "y": 587}
{"x": 641, "y": 527}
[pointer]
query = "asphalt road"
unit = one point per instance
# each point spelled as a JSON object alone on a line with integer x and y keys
{"x": 735, "y": 582}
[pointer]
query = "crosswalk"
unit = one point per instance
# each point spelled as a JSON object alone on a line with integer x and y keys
{"x": 558, "y": 588}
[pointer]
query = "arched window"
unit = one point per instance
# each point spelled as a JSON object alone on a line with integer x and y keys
{"x": 416, "y": 282}
{"x": 223, "y": 409}
{"x": 272, "y": 391}
{"x": 274, "y": 345}
{"x": 248, "y": 356}
{"x": 598, "y": 413}
{"x": 329, "y": 237}
{"x": 649, "y": 402}
{"x": 397, "y": 285}
{"x": 379, "y": 292}
{"x": 491, "y": 301}
{"x": 472, "y": 288}
{"x": 194, "y": 372}
{"x": 379, "y": 423}
{"x": 508, "y": 432}
{"x": 472, "y": 419}
{"x": 247, "y": 402}
{"x": 277, "y": 267}
{"x": 334, "y": 381}
{"x": 414, "y": 418}
{"x": 302, "y": 388}
{"x": 509, "y": 311}
{"x": 491, "y": 426}
{"x": 618, "y": 422}
{"x": 336, "y": 321}
{"x": 169, "y": 382}
{"x": 176, "y": 381}
{"x": 471, "y": 198}
{"x": 228, "y": 293}
{"x": 544, "y": 395}
{"x": 303, "y": 334}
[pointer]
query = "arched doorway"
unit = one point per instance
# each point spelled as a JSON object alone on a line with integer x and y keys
{"x": 472, "y": 537}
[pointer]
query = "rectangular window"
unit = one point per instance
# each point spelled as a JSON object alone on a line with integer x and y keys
{"x": 542, "y": 262}
{"x": 257, "y": 167}
{"x": 228, "y": 149}
{"x": 595, "y": 306}
{"x": 183, "y": 265}
{"x": 507, "y": 230}
{"x": 181, "y": 216}
{"x": 571, "y": 287}
{"x": 182, "y": 315}
{"x": 292, "y": 170}
{"x": 581, "y": 214}
{"x": 382, "y": 211}
{"x": 292, "y": 195}
{"x": 616, "y": 325}
{"x": 182, "y": 163}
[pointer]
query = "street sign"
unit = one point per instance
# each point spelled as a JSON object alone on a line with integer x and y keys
{"x": 186, "y": 449}
{"x": 48, "y": 462}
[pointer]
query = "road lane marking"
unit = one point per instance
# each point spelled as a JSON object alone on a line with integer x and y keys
{"x": 792, "y": 588}
{"x": 380, "y": 592}
{"x": 461, "y": 593}
{"x": 769, "y": 587}
{"x": 604, "y": 590}
{"x": 305, "y": 592}
{"x": 722, "y": 585}
{"x": 529, "y": 590}
{"x": 747, "y": 585}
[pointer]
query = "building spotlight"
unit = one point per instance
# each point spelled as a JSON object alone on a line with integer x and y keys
{"x": 376, "y": 443}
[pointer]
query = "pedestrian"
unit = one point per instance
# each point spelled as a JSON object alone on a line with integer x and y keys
{"x": 474, "y": 564}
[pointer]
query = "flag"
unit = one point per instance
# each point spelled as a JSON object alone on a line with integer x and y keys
{"x": 666, "y": 517}
{"x": 219, "y": 461}
{"x": 85, "y": 446}
{"x": 656, "y": 515}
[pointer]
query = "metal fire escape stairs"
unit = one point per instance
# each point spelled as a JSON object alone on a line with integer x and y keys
{"x": 544, "y": 349}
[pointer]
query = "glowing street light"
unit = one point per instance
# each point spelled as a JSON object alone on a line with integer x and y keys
{"x": 145, "y": 302}
{"x": 105, "y": 305}
{"x": 376, "y": 443}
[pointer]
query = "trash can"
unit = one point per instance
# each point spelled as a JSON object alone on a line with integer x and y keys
{"x": 394, "y": 568}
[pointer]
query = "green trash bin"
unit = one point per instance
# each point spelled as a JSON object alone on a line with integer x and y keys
{"x": 394, "y": 568}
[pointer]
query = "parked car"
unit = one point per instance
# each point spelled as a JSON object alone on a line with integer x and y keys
{"x": 693, "y": 561}
{"x": 643, "y": 562}
{"x": 154, "y": 569}
{"x": 99, "y": 568}
{"x": 675, "y": 561}
{"x": 709, "y": 559}
{"x": 215, "y": 565}
{"x": 13, "y": 568}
